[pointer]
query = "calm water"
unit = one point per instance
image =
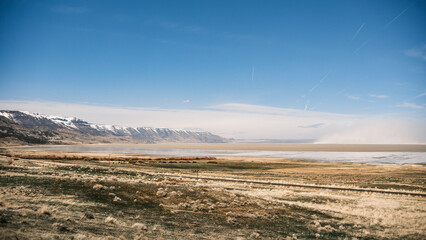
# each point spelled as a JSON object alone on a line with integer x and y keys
{"x": 326, "y": 156}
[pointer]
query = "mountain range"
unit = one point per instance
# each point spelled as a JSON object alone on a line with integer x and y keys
{"x": 21, "y": 127}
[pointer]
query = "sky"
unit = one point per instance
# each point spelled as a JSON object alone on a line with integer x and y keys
{"x": 335, "y": 71}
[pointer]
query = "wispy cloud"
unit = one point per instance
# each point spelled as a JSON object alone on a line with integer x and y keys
{"x": 242, "y": 121}
{"x": 359, "y": 30}
{"x": 306, "y": 105}
{"x": 353, "y": 97}
{"x": 69, "y": 9}
{"x": 410, "y": 105}
{"x": 181, "y": 27}
{"x": 415, "y": 97}
{"x": 381, "y": 96}
{"x": 229, "y": 120}
{"x": 316, "y": 125}
{"x": 186, "y": 101}
{"x": 417, "y": 52}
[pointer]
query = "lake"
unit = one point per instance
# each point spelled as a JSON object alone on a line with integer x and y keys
{"x": 325, "y": 156}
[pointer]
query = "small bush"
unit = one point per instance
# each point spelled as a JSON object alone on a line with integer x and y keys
{"x": 139, "y": 226}
{"x": 111, "y": 220}
{"x": 98, "y": 187}
{"x": 60, "y": 227}
{"x": 44, "y": 210}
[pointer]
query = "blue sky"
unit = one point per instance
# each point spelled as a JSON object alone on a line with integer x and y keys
{"x": 345, "y": 57}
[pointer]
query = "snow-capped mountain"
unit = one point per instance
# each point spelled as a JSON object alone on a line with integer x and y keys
{"x": 21, "y": 126}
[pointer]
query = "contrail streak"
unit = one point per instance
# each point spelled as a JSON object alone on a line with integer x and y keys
{"x": 252, "y": 74}
{"x": 307, "y": 105}
{"x": 359, "y": 30}
{"x": 319, "y": 83}
{"x": 397, "y": 16}
{"x": 365, "y": 43}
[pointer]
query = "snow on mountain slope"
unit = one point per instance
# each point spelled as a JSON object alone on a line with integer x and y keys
{"x": 68, "y": 122}
{"x": 71, "y": 127}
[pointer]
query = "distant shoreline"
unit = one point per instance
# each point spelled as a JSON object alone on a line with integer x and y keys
{"x": 261, "y": 146}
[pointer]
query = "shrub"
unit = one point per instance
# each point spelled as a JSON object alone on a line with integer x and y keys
{"x": 111, "y": 220}
{"x": 98, "y": 187}
{"x": 44, "y": 210}
{"x": 139, "y": 226}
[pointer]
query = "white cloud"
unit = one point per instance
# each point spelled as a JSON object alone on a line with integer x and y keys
{"x": 354, "y": 97}
{"x": 186, "y": 101}
{"x": 378, "y": 96}
{"x": 417, "y": 52}
{"x": 229, "y": 120}
{"x": 410, "y": 105}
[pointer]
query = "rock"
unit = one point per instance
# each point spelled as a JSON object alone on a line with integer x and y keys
{"x": 254, "y": 235}
{"x": 98, "y": 187}
{"x": 60, "y": 227}
{"x": 161, "y": 193}
{"x": 139, "y": 226}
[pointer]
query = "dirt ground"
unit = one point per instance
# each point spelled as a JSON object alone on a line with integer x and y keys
{"x": 56, "y": 195}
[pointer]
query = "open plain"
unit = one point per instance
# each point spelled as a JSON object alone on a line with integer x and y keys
{"x": 48, "y": 194}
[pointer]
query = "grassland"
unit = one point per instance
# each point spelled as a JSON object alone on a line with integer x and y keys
{"x": 57, "y": 195}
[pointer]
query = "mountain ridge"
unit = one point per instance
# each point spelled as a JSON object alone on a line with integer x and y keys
{"x": 17, "y": 127}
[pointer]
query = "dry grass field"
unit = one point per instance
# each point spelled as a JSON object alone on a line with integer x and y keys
{"x": 57, "y": 195}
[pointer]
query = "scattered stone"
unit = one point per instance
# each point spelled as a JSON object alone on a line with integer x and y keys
{"x": 45, "y": 211}
{"x": 89, "y": 216}
{"x": 80, "y": 236}
{"x": 98, "y": 187}
{"x": 171, "y": 194}
{"x": 139, "y": 226}
{"x": 254, "y": 235}
{"x": 183, "y": 205}
{"x": 231, "y": 220}
{"x": 60, "y": 227}
{"x": 161, "y": 193}
{"x": 111, "y": 220}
